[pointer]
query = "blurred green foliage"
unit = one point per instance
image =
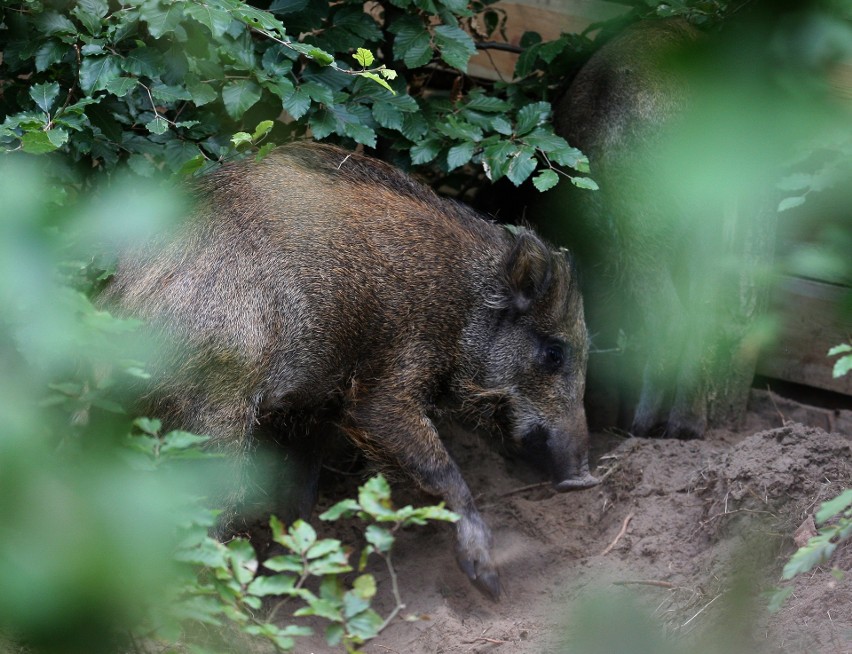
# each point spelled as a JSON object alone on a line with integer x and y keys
{"x": 104, "y": 538}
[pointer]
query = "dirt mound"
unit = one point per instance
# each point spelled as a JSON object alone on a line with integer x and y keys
{"x": 670, "y": 553}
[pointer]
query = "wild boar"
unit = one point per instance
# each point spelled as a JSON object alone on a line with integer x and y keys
{"x": 680, "y": 268}
{"x": 319, "y": 282}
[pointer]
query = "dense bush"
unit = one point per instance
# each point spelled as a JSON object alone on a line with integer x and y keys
{"x": 163, "y": 84}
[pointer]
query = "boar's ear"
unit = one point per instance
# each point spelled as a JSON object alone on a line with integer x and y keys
{"x": 528, "y": 272}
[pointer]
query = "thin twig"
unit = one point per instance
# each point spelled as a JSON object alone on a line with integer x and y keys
{"x": 784, "y": 420}
{"x": 645, "y": 582}
{"x": 498, "y": 45}
{"x": 485, "y": 640}
{"x": 701, "y": 610}
{"x": 523, "y": 489}
{"x": 388, "y": 648}
{"x": 620, "y": 534}
{"x": 615, "y": 466}
{"x": 395, "y": 588}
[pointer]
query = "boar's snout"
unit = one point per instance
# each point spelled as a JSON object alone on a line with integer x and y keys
{"x": 564, "y": 454}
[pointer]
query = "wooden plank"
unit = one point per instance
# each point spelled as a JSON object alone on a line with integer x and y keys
{"x": 810, "y": 324}
{"x": 550, "y": 18}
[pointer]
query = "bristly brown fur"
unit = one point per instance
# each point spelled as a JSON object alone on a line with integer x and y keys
{"x": 323, "y": 282}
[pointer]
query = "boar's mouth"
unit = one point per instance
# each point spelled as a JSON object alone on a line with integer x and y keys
{"x": 569, "y": 471}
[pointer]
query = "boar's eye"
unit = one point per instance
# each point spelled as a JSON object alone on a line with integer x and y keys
{"x": 553, "y": 355}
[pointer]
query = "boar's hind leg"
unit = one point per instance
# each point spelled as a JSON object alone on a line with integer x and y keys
{"x": 390, "y": 428}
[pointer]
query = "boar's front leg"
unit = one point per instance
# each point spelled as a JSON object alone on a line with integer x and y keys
{"x": 389, "y": 427}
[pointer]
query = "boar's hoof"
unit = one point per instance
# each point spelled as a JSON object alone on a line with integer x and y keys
{"x": 577, "y": 483}
{"x": 483, "y": 576}
{"x": 473, "y": 552}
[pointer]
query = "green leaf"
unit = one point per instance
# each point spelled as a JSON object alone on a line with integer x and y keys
{"x": 334, "y": 634}
{"x": 364, "y": 57}
{"x": 216, "y": 19}
{"x": 458, "y": 7}
{"x": 143, "y": 61}
{"x": 322, "y": 124}
{"x": 455, "y": 45}
{"x": 149, "y": 426}
{"x": 487, "y": 103}
{"x": 387, "y": 115}
{"x": 412, "y": 43}
{"x": 318, "y": 92}
{"x": 495, "y": 159}
{"x": 377, "y": 79}
{"x": 303, "y": 535}
{"x": 526, "y": 61}
{"x": 53, "y": 23}
{"x": 297, "y": 104}
{"x": 585, "y": 183}
{"x": 321, "y": 607}
{"x": 263, "y": 128}
{"x": 521, "y": 166}
{"x": 170, "y": 94}
{"x": 333, "y": 563}
{"x": 353, "y": 604}
{"x": 839, "y": 349}
{"x": 121, "y": 86}
{"x": 191, "y": 166}
{"x": 365, "y": 586}
{"x": 531, "y": 116}
{"x": 791, "y": 202}
{"x": 344, "y": 508}
{"x": 795, "y": 182}
{"x": 414, "y": 126}
{"x": 239, "y": 96}
{"x": 544, "y": 139}
{"x": 90, "y": 13}
{"x": 37, "y": 142}
{"x": 242, "y": 559}
{"x": 181, "y": 440}
{"x": 48, "y": 54}
{"x": 458, "y": 155}
{"x": 502, "y": 126}
{"x": 320, "y": 56}
{"x": 361, "y": 134}
{"x": 97, "y": 72}
{"x": 161, "y": 19}
{"x": 202, "y": 93}
{"x": 833, "y": 507}
{"x": 777, "y": 599}
{"x": 158, "y": 125}
{"x": 271, "y": 585}
{"x": 45, "y": 95}
{"x": 818, "y": 550}
{"x": 141, "y": 165}
{"x": 545, "y": 180}
{"x": 379, "y": 537}
{"x": 365, "y": 625}
{"x": 323, "y": 547}
{"x": 425, "y": 151}
{"x": 842, "y": 366}
{"x": 285, "y": 563}
{"x": 374, "y": 497}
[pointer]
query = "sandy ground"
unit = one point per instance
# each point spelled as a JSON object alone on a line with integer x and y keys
{"x": 673, "y": 552}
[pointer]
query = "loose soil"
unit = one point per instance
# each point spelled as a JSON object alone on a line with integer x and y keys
{"x": 673, "y": 552}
